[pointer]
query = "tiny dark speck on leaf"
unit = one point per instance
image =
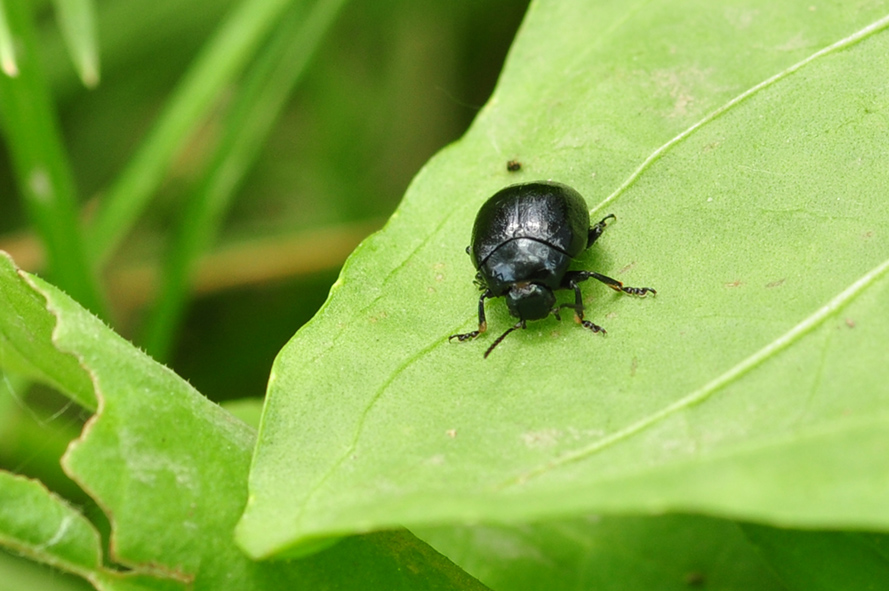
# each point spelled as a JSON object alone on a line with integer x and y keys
{"x": 513, "y": 166}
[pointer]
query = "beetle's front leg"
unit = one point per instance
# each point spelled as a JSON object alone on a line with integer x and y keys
{"x": 480, "y": 282}
{"x": 570, "y": 281}
{"x": 482, "y": 322}
{"x": 597, "y": 230}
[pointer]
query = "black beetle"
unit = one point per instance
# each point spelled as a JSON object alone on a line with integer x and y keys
{"x": 524, "y": 238}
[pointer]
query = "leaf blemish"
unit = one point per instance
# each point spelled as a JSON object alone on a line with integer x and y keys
{"x": 542, "y": 438}
{"x": 380, "y": 316}
{"x": 775, "y": 283}
{"x": 436, "y": 460}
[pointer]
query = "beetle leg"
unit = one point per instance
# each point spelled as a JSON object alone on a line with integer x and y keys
{"x": 480, "y": 282}
{"x": 482, "y": 322}
{"x": 519, "y": 324}
{"x": 578, "y": 318}
{"x": 617, "y": 285}
{"x": 597, "y": 230}
{"x": 570, "y": 281}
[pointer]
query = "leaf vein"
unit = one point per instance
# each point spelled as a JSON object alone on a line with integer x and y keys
{"x": 359, "y": 427}
{"x": 844, "y": 43}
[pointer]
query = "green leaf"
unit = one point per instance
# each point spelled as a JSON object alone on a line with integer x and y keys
{"x": 741, "y": 149}
{"x": 20, "y": 574}
{"x": 37, "y": 524}
{"x": 170, "y": 468}
{"x": 26, "y": 340}
{"x": 77, "y": 19}
{"x": 626, "y": 553}
{"x": 824, "y": 560}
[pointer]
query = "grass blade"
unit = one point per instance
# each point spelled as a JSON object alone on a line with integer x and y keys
{"x": 42, "y": 169}
{"x": 7, "y": 49}
{"x": 257, "y": 107}
{"x": 221, "y": 60}
{"x": 77, "y": 19}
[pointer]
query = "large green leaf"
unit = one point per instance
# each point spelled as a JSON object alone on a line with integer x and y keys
{"x": 743, "y": 147}
{"x": 170, "y": 468}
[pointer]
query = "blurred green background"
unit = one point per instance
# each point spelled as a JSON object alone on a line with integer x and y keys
{"x": 391, "y": 84}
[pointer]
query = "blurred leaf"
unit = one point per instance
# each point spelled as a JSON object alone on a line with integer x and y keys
{"x": 42, "y": 170}
{"x": 822, "y": 560}
{"x": 37, "y": 524}
{"x": 20, "y": 574}
{"x": 77, "y": 19}
{"x": 35, "y": 430}
{"x": 169, "y": 467}
{"x": 753, "y": 385}
{"x": 248, "y": 410}
{"x": 625, "y": 553}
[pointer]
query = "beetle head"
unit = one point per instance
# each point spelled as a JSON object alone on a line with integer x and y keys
{"x": 530, "y": 301}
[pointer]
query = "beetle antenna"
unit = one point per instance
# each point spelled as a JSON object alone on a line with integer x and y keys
{"x": 520, "y": 324}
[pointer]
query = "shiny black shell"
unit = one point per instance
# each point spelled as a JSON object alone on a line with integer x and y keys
{"x": 528, "y": 233}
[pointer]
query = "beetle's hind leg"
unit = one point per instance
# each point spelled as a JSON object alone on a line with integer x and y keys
{"x": 597, "y": 230}
{"x": 615, "y": 284}
{"x": 482, "y": 322}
